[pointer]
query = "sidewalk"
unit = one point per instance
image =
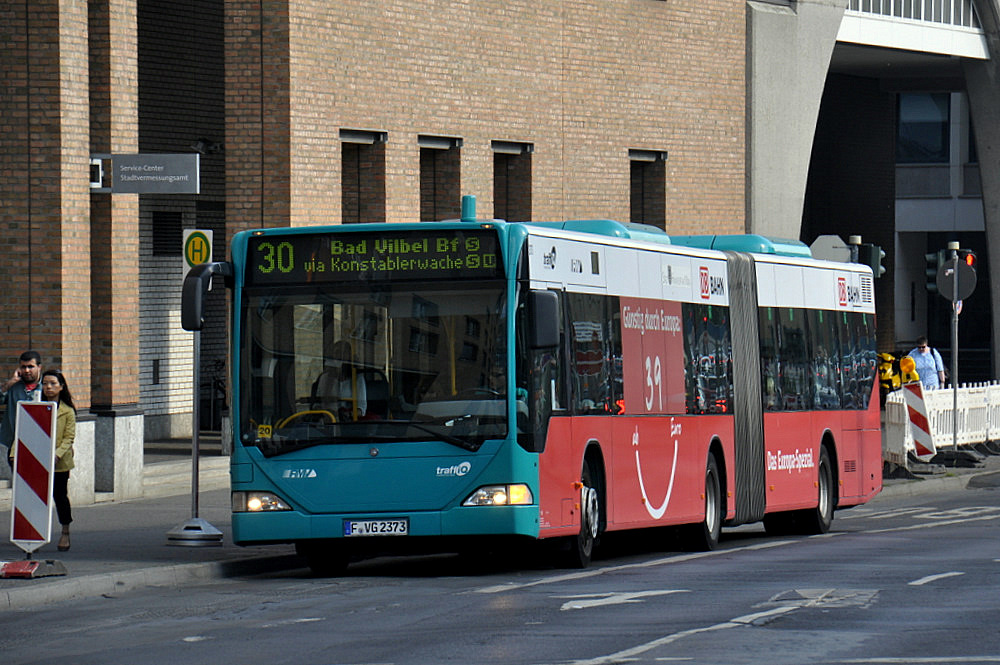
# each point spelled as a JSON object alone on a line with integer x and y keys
{"x": 121, "y": 546}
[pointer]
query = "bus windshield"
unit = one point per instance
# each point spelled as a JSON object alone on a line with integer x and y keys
{"x": 373, "y": 362}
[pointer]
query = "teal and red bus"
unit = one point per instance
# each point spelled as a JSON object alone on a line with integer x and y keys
{"x": 399, "y": 386}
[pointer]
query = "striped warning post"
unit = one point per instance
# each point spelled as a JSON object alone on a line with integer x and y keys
{"x": 920, "y": 426}
{"x": 34, "y": 459}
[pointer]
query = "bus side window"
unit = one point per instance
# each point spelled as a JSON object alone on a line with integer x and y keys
{"x": 848, "y": 378}
{"x": 825, "y": 370}
{"x": 796, "y": 387}
{"x": 867, "y": 361}
{"x": 770, "y": 366}
{"x": 589, "y": 354}
{"x": 707, "y": 358}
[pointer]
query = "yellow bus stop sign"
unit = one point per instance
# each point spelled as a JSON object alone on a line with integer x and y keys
{"x": 197, "y": 246}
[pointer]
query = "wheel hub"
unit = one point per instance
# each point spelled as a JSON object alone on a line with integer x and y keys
{"x": 591, "y": 510}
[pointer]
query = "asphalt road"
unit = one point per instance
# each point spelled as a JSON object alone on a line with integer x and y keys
{"x": 900, "y": 580}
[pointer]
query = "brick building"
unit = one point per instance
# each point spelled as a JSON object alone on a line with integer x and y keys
{"x": 683, "y": 115}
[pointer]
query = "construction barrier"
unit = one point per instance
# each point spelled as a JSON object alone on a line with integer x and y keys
{"x": 978, "y": 420}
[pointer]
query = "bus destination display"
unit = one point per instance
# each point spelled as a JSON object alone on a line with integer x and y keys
{"x": 313, "y": 258}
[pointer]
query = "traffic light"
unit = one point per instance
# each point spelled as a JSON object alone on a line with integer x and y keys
{"x": 934, "y": 261}
{"x": 871, "y": 255}
{"x": 968, "y": 257}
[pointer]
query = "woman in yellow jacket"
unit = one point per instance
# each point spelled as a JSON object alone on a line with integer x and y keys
{"x": 54, "y": 389}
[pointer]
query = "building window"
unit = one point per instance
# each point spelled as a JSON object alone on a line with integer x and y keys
{"x": 512, "y": 180}
{"x": 923, "y": 128}
{"x": 648, "y": 187}
{"x": 362, "y": 187}
{"x": 167, "y": 233}
{"x": 440, "y": 177}
{"x": 973, "y": 154}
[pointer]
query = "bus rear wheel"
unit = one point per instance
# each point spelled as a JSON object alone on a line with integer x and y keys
{"x": 704, "y": 536}
{"x": 819, "y": 519}
{"x": 325, "y": 558}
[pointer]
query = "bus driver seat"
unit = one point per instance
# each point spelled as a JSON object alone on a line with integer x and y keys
{"x": 340, "y": 388}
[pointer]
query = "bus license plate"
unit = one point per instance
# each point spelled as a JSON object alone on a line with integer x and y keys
{"x": 400, "y": 527}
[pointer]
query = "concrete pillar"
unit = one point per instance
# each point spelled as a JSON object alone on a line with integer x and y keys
{"x": 81, "y": 478}
{"x": 118, "y": 453}
{"x": 982, "y": 80}
{"x": 788, "y": 56}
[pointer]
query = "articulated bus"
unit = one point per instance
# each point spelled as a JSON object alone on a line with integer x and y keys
{"x": 403, "y": 386}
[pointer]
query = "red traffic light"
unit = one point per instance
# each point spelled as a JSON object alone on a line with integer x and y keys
{"x": 968, "y": 256}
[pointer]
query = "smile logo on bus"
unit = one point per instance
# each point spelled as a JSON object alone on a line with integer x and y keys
{"x": 656, "y": 513}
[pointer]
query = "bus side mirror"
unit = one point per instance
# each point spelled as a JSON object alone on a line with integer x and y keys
{"x": 196, "y": 284}
{"x": 544, "y": 311}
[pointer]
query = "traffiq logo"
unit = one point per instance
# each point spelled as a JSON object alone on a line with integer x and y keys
{"x": 456, "y": 470}
{"x": 549, "y": 259}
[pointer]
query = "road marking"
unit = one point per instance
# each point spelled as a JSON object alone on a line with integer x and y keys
{"x": 883, "y": 514}
{"x": 828, "y": 598}
{"x": 596, "y": 572}
{"x": 612, "y": 598}
{"x": 934, "y": 578}
{"x": 935, "y": 659}
{"x": 625, "y": 654}
{"x": 931, "y": 525}
{"x": 288, "y": 622}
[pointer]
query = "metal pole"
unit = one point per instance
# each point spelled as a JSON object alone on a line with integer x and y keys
{"x": 195, "y": 531}
{"x": 853, "y": 243}
{"x": 953, "y": 246}
{"x": 195, "y": 423}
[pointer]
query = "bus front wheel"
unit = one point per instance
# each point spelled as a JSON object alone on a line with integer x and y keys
{"x": 580, "y": 548}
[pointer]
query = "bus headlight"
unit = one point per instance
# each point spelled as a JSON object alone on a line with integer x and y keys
{"x": 257, "y": 502}
{"x": 500, "y": 495}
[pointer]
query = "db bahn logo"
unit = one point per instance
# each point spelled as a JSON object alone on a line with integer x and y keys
{"x": 711, "y": 286}
{"x": 847, "y": 295}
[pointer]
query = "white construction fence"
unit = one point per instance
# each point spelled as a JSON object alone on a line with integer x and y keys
{"x": 978, "y": 420}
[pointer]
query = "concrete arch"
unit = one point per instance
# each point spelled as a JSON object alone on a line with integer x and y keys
{"x": 789, "y": 48}
{"x": 982, "y": 80}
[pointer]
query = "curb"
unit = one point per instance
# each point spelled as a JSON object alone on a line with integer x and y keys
{"x": 109, "y": 584}
{"x": 977, "y": 479}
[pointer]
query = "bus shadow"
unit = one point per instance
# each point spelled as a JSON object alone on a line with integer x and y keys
{"x": 528, "y": 557}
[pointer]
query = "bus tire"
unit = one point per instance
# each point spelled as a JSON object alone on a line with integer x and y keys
{"x": 704, "y": 536}
{"x": 325, "y": 558}
{"x": 819, "y": 519}
{"x": 580, "y": 548}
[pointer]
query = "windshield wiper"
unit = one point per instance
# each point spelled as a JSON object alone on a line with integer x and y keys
{"x": 272, "y": 447}
{"x": 447, "y": 438}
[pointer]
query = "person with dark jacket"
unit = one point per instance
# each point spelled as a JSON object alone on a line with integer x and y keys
{"x": 23, "y": 385}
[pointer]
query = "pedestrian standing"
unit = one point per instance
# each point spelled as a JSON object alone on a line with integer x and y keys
{"x": 23, "y": 385}
{"x": 54, "y": 389}
{"x": 928, "y": 364}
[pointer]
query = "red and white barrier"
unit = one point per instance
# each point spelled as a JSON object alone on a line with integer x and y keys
{"x": 920, "y": 427}
{"x": 34, "y": 461}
